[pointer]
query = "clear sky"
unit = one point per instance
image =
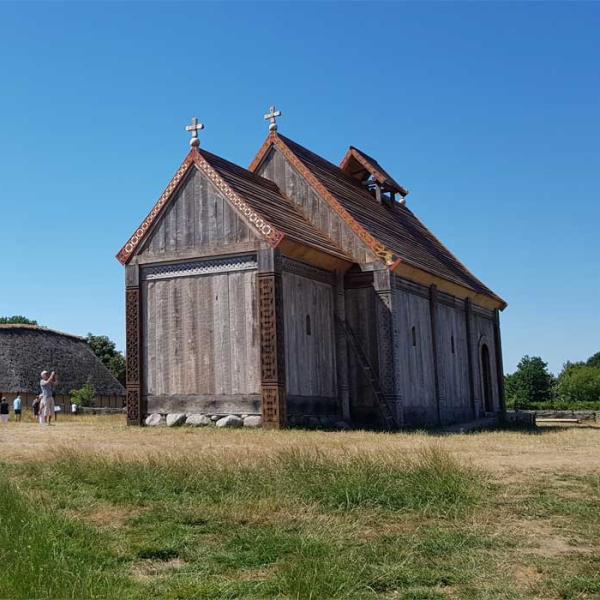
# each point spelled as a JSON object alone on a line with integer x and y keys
{"x": 488, "y": 113}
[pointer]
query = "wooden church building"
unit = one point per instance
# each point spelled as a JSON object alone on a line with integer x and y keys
{"x": 306, "y": 292}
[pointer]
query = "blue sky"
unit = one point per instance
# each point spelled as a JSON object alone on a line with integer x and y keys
{"x": 488, "y": 113}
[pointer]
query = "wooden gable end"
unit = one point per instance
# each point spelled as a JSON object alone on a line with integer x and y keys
{"x": 198, "y": 220}
{"x": 276, "y": 167}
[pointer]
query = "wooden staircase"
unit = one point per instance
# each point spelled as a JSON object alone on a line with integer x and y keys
{"x": 386, "y": 411}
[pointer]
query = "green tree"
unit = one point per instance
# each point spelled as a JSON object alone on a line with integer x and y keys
{"x": 580, "y": 384}
{"x": 17, "y": 320}
{"x": 105, "y": 349}
{"x": 594, "y": 360}
{"x": 531, "y": 382}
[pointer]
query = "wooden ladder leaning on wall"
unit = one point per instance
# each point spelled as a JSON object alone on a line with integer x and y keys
{"x": 386, "y": 411}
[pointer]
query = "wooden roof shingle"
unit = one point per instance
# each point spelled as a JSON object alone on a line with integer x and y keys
{"x": 403, "y": 236}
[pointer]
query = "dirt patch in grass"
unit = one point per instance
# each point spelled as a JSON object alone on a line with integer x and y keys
{"x": 110, "y": 516}
{"x": 150, "y": 569}
{"x": 543, "y": 540}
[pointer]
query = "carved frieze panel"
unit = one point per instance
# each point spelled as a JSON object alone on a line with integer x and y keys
{"x": 200, "y": 267}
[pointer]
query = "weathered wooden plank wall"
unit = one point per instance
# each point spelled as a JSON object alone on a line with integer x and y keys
{"x": 276, "y": 168}
{"x": 198, "y": 217}
{"x": 362, "y": 318}
{"x": 414, "y": 356}
{"x": 453, "y": 363}
{"x": 415, "y": 365}
{"x": 201, "y": 340}
{"x": 308, "y": 307}
{"x": 483, "y": 333}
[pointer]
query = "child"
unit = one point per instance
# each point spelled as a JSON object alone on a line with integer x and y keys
{"x": 35, "y": 407}
{"x": 4, "y": 411}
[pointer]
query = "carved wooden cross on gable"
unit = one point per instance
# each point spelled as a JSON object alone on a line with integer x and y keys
{"x": 272, "y": 117}
{"x": 194, "y": 128}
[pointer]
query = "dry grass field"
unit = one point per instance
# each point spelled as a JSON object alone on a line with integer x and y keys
{"x": 93, "y": 509}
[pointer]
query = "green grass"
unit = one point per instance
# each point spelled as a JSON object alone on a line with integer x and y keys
{"x": 297, "y": 525}
{"x": 47, "y": 556}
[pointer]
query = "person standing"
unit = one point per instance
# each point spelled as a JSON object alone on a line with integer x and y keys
{"x": 47, "y": 404}
{"x": 35, "y": 407}
{"x": 17, "y": 404}
{"x": 4, "y": 411}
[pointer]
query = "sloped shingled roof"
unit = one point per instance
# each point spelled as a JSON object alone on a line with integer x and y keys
{"x": 267, "y": 200}
{"x": 27, "y": 350}
{"x": 398, "y": 229}
{"x": 258, "y": 200}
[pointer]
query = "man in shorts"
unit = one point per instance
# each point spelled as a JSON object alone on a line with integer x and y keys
{"x": 47, "y": 404}
{"x": 17, "y": 405}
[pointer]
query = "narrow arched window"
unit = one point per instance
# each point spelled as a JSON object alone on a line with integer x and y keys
{"x": 452, "y": 343}
{"x": 308, "y": 329}
{"x": 414, "y": 336}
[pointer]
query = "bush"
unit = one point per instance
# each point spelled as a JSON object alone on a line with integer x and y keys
{"x": 84, "y": 396}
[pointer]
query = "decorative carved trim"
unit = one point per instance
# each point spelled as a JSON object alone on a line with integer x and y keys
{"x": 271, "y": 234}
{"x": 268, "y": 231}
{"x": 133, "y": 406}
{"x": 273, "y": 406}
{"x": 271, "y": 328}
{"x": 299, "y": 268}
{"x": 128, "y": 249}
{"x": 199, "y": 267}
{"x": 375, "y": 246}
{"x": 133, "y": 356}
{"x": 272, "y": 349}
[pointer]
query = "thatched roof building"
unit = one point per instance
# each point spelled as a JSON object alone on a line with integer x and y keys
{"x": 26, "y": 350}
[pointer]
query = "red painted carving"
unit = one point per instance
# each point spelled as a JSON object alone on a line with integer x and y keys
{"x": 271, "y": 234}
{"x": 379, "y": 249}
{"x": 133, "y": 352}
{"x": 272, "y": 349}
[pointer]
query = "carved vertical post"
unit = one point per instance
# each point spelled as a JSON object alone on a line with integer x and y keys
{"x": 341, "y": 347}
{"x": 382, "y": 283}
{"x": 135, "y": 404}
{"x": 499, "y": 364}
{"x": 272, "y": 347}
{"x": 433, "y": 313}
{"x": 468, "y": 310}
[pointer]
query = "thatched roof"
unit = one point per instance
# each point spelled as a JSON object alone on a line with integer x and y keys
{"x": 27, "y": 350}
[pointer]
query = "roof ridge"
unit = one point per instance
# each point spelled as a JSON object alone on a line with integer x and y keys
{"x": 40, "y": 329}
{"x": 242, "y": 169}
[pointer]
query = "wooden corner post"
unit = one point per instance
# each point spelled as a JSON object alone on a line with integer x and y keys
{"x": 433, "y": 312}
{"x": 272, "y": 347}
{"x": 499, "y": 364}
{"x": 382, "y": 283}
{"x": 135, "y": 408}
{"x": 468, "y": 326}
